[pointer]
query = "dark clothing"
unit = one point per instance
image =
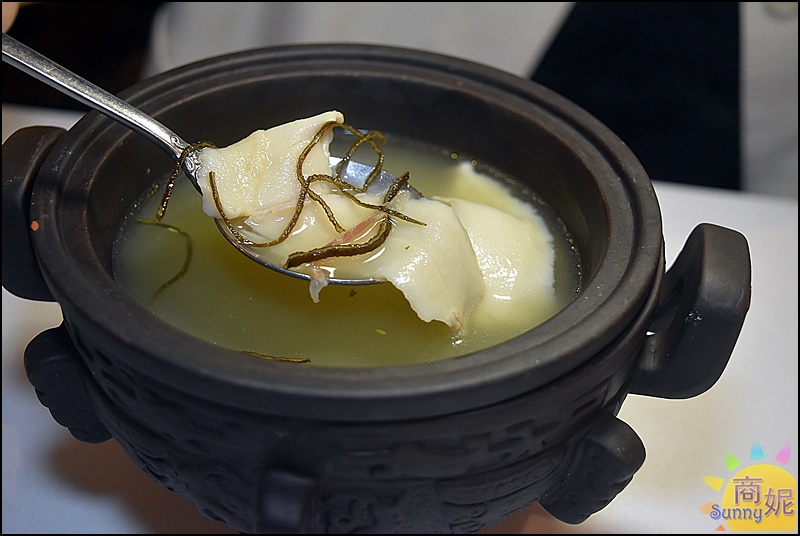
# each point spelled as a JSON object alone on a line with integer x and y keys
{"x": 665, "y": 77}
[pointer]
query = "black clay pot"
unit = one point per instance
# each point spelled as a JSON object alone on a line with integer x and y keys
{"x": 448, "y": 446}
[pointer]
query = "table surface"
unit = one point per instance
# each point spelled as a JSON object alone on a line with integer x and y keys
{"x": 53, "y": 483}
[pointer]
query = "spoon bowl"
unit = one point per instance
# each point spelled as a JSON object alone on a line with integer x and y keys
{"x": 355, "y": 174}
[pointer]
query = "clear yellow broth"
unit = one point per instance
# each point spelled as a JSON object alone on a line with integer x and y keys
{"x": 227, "y": 299}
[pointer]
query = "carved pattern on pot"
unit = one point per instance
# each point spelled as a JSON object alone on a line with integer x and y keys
{"x": 392, "y": 472}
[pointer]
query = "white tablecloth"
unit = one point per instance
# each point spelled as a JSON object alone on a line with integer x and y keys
{"x": 53, "y": 483}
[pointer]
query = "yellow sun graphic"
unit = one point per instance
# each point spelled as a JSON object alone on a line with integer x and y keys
{"x": 758, "y": 497}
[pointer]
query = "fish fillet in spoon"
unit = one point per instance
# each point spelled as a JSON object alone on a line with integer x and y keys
{"x": 258, "y": 173}
{"x": 434, "y": 265}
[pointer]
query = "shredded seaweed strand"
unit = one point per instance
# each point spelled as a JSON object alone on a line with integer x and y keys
{"x": 188, "y": 150}
{"x": 276, "y": 358}
{"x": 187, "y": 259}
{"x": 341, "y": 250}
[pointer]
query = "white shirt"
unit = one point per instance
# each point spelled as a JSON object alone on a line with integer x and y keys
{"x": 511, "y": 36}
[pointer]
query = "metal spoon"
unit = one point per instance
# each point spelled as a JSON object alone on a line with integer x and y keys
{"x": 60, "y": 78}
{"x": 67, "y": 82}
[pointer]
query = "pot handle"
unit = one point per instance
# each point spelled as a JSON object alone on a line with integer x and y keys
{"x": 52, "y": 365}
{"x": 704, "y": 299}
{"x": 604, "y": 464}
{"x": 23, "y": 154}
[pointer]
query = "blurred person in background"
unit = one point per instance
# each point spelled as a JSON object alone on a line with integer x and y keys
{"x": 703, "y": 93}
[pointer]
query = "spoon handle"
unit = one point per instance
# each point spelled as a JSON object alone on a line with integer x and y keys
{"x": 56, "y": 76}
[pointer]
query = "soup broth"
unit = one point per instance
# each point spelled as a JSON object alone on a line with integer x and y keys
{"x": 185, "y": 272}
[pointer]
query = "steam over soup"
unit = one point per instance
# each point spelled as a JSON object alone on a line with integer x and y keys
{"x": 478, "y": 261}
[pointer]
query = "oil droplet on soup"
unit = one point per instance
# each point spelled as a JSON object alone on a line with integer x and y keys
{"x": 228, "y": 300}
